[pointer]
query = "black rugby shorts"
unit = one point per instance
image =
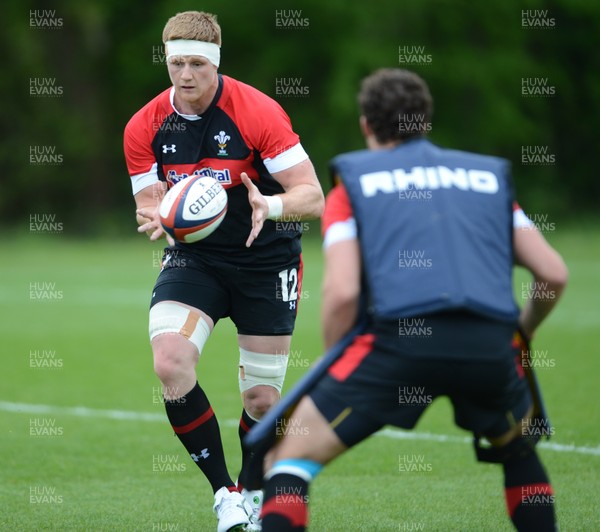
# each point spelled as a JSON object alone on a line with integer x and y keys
{"x": 392, "y": 372}
{"x": 261, "y": 299}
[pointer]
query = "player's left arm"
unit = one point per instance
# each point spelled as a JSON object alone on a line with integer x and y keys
{"x": 340, "y": 290}
{"x": 550, "y": 274}
{"x": 270, "y": 132}
{"x": 302, "y": 198}
{"x": 341, "y": 287}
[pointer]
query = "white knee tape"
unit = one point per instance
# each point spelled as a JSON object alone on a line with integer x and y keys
{"x": 261, "y": 369}
{"x": 168, "y": 317}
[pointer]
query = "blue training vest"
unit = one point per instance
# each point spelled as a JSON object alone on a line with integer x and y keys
{"x": 435, "y": 229}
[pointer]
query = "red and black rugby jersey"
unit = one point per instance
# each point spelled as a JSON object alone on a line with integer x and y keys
{"x": 243, "y": 130}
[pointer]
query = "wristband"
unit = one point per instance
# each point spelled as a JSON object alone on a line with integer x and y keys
{"x": 275, "y": 204}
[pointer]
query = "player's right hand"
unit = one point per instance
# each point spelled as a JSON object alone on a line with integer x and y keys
{"x": 150, "y": 224}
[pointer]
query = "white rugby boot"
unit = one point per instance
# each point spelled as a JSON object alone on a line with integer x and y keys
{"x": 255, "y": 499}
{"x": 233, "y": 511}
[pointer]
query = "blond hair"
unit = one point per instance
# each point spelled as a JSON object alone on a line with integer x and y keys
{"x": 194, "y": 25}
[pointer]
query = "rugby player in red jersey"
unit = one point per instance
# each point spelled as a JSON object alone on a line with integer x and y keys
{"x": 249, "y": 269}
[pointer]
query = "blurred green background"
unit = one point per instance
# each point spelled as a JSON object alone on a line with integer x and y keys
{"x": 75, "y": 72}
{"x": 73, "y": 75}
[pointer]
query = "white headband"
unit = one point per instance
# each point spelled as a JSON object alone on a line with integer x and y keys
{"x": 211, "y": 51}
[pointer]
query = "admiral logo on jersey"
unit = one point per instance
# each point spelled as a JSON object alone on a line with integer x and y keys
{"x": 222, "y": 176}
{"x": 432, "y": 177}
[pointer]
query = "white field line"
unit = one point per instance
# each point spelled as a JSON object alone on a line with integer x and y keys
{"x": 427, "y": 436}
{"x": 125, "y": 415}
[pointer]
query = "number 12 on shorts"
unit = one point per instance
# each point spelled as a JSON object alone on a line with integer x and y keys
{"x": 289, "y": 284}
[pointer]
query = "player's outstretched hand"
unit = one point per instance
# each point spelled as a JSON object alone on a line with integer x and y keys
{"x": 260, "y": 208}
{"x": 147, "y": 213}
{"x": 153, "y": 227}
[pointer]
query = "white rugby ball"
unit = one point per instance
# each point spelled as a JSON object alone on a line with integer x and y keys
{"x": 193, "y": 208}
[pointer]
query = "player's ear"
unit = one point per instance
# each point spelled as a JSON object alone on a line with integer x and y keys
{"x": 365, "y": 129}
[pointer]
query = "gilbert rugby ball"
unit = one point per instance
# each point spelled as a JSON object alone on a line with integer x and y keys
{"x": 193, "y": 208}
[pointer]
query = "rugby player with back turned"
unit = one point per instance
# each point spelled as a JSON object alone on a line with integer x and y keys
{"x": 472, "y": 234}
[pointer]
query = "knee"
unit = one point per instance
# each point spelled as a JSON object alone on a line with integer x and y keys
{"x": 261, "y": 378}
{"x": 178, "y": 334}
{"x": 164, "y": 367}
{"x": 259, "y": 399}
{"x": 171, "y": 358}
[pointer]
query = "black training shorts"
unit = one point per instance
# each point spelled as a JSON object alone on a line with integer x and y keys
{"x": 392, "y": 372}
{"x": 261, "y": 299}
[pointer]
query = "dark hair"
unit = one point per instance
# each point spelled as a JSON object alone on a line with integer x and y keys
{"x": 396, "y": 103}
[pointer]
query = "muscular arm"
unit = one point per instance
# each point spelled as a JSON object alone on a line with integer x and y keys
{"x": 303, "y": 197}
{"x": 147, "y": 202}
{"x": 340, "y": 290}
{"x": 549, "y": 271}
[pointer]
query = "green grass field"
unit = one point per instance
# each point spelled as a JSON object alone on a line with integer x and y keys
{"x": 85, "y": 444}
